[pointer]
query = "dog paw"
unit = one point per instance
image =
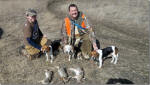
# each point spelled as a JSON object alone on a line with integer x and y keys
{"x": 83, "y": 78}
{"x": 111, "y": 62}
{"x": 115, "y": 62}
{"x": 47, "y": 62}
{"x": 51, "y": 61}
{"x": 79, "y": 58}
{"x": 69, "y": 59}
{"x": 100, "y": 67}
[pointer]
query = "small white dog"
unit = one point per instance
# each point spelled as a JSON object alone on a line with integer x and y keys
{"x": 48, "y": 50}
{"x": 106, "y": 52}
{"x": 79, "y": 73}
{"x": 69, "y": 50}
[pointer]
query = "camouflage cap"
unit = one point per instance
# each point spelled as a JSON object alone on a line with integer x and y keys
{"x": 31, "y": 12}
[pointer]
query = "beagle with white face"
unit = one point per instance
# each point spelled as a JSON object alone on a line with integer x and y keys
{"x": 69, "y": 50}
{"x": 48, "y": 50}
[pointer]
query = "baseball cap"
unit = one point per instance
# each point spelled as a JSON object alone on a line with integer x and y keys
{"x": 31, "y": 12}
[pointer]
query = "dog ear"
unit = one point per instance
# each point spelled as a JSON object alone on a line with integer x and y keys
{"x": 48, "y": 48}
{"x": 44, "y": 48}
{"x": 94, "y": 53}
{"x": 97, "y": 54}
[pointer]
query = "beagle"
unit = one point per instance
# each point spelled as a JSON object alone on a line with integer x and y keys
{"x": 69, "y": 50}
{"x": 106, "y": 52}
{"x": 48, "y": 50}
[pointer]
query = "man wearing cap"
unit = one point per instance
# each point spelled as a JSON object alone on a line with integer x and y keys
{"x": 33, "y": 37}
{"x": 77, "y": 32}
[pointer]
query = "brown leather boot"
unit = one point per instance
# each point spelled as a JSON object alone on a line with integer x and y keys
{"x": 24, "y": 53}
{"x": 30, "y": 57}
{"x": 35, "y": 55}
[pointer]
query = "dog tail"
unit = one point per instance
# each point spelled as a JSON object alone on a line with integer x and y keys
{"x": 116, "y": 51}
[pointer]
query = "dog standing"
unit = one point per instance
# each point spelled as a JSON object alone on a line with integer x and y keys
{"x": 48, "y": 50}
{"x": 106, "y": 52}
{"x": 69, "y": 50}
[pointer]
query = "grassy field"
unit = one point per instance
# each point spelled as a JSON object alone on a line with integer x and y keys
{"x": 121, "y": 23}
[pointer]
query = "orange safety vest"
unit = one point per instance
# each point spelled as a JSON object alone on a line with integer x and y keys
{"x": 68, "y": 26}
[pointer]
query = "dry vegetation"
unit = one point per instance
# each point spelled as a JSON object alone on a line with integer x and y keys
{"x": 121, "y": 23}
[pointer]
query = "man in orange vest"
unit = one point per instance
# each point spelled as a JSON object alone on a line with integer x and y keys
{"x": 77, "y": 32}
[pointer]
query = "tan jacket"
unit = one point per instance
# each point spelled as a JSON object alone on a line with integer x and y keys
{"x": 29, "y": 32}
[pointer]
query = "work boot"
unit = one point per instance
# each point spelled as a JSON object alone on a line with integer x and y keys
{"x": 40, "y": 54}
{"x": 36, "y": 55}
{"x": 21, "y": 50}
{"x": 30, "y": 57}
{"x": 25, "y": 53}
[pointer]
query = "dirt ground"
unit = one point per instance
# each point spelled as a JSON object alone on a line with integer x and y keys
{"x": 121, "y": 23}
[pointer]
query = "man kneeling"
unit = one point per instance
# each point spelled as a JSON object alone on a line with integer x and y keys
{"x": 33, "y": 37}
{"x": 77, "y": 32}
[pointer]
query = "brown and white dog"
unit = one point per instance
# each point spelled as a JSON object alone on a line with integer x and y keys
{"x": 49, "y": 52}
{"x": 106, "y": 52}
